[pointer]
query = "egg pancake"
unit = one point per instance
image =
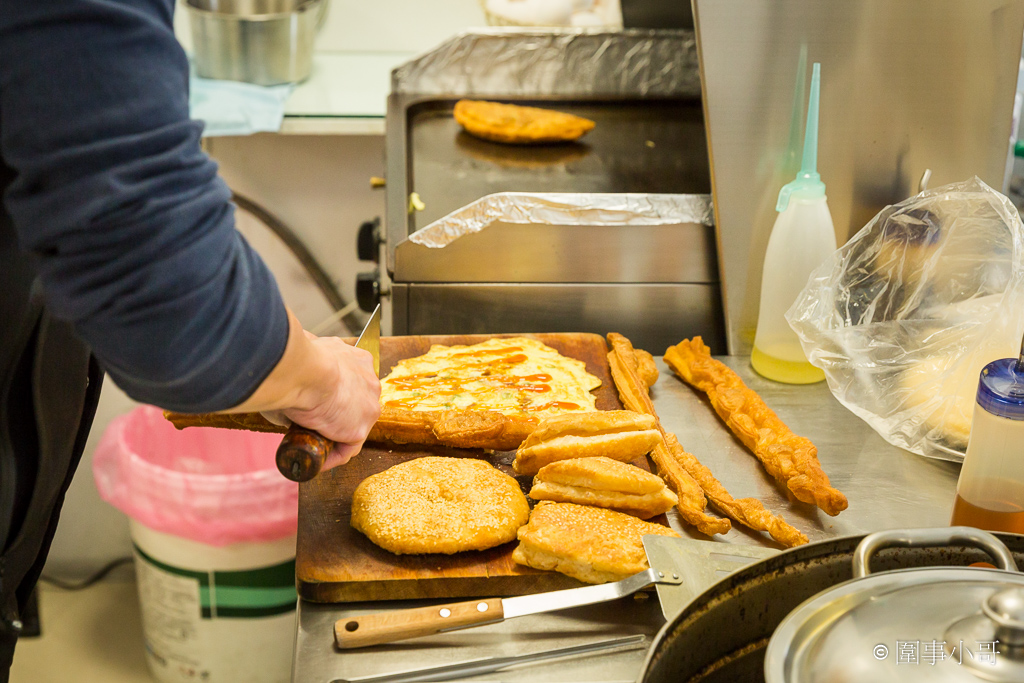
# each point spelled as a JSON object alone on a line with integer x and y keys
{"x": 516, "y": 377}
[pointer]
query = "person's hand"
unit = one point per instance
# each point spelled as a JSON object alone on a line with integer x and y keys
{"x": 346, "y": 403}
{"x": 325, "y": 385}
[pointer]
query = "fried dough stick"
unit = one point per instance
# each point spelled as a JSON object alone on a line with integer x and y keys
{"x": 747, "y": 511}
{"x": 633, "y": 392}
{"x": 791, "y": 459}
{"x": 750, "y": 512}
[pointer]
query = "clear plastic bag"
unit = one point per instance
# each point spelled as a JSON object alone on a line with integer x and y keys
{"x": 903, "y": 317}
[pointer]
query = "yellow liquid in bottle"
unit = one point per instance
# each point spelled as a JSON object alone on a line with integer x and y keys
{"x": 786, "y": 371}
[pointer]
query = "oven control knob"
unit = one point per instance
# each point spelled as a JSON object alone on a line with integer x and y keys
{"x": 368, "y": 241}
{"x": 368, "y": 290}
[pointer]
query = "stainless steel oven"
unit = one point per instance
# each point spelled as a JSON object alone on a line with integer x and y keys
{"x": 625, "y": 242}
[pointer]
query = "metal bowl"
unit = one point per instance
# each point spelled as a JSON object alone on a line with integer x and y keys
{"x": 266, "y": 42}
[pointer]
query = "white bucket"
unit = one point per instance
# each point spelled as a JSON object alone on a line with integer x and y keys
{"x": 216, "y": 614}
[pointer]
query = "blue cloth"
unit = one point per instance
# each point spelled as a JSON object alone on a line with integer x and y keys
{"x": 233, "y": 108}
{"x": 129, "y": 227}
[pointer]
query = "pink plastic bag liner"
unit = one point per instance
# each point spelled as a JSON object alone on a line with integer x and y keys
{"x": 214, "y": 486}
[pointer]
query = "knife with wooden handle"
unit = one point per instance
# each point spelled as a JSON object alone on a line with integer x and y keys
{"x": 302, "y": 452}
{"x": 387, "y": 627}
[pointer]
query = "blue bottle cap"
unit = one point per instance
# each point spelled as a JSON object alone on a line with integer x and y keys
{"x": 1001, "y": 389}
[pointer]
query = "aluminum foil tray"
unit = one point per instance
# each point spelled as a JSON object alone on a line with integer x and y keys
{"x": 522, "y": 237}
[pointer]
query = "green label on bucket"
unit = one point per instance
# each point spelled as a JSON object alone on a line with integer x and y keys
{"x": 246, "y": 594}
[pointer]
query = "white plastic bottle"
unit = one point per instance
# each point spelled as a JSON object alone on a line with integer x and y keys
{"x": 802, "y": 238}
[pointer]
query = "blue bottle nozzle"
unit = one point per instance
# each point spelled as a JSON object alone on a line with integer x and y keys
{"x": 808, "y": 183}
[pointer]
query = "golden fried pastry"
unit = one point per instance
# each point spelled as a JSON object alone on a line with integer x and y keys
{"x": 682, "y": 469}
{"x": 617, "y": 434}
{"x": 587, "y": 543}
{"x": 456, "y": 428}
{"x": 439, "y": 505}
{"x": 633, "y": 393}
{"x": 645, "y": 367}
{"x": 750, "y": 512}
{"x": 513, "y": 124}
{"x": 791, "y": 459}
{"x": 605, "y": 483}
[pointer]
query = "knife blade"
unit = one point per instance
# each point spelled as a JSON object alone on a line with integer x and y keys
{"x": 369, "y": 339}
{"x": 302, "y": 452}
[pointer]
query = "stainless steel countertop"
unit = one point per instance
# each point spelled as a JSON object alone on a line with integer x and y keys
{"x": 887, "y": 487}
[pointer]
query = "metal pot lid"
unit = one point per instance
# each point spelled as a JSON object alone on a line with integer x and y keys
{"x": 929, "y": 624}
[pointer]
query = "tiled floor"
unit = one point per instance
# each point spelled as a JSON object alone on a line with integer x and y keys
{"x": 89, "y": 636}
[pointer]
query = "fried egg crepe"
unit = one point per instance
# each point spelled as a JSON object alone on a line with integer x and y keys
{"x": 514, "y": 376}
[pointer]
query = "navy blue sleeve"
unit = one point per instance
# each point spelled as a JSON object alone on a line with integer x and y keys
{"x": 131, "y": 227}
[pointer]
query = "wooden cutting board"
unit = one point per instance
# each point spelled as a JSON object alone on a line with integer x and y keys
{"x": 336, "y": 563}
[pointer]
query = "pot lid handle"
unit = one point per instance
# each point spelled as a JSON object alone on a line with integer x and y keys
{"x": 924, "y": 538}
{"x": 1006, "y": 609}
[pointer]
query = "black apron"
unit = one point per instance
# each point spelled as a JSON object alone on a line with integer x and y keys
{"x": 49, "y": 387}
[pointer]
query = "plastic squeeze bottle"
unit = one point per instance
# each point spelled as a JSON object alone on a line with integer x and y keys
{"x": 802, "y": 238}
{"x": 990, "y": 491}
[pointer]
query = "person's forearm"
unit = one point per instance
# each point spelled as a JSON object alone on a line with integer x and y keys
{"x": 128, "y": 226}
{"x": 293, "y": 381}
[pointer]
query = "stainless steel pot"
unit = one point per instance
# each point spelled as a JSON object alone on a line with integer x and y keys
{"x": 919, "y": 625}
{"x": 266, "y": 42}
{"x": 723, "y": 634}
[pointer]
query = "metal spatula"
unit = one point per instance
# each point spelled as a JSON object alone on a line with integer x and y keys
{"x": 701, "y": 564}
